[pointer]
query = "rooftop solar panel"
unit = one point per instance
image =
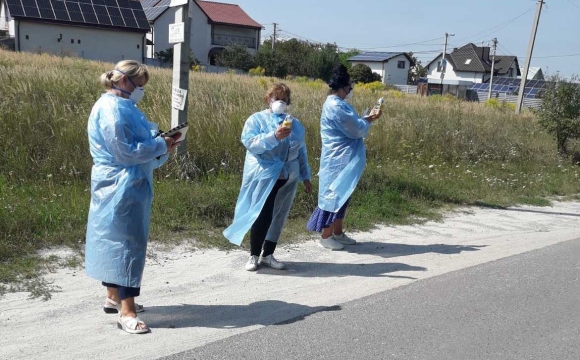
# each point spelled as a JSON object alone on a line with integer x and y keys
{"x": 118, "y": 13}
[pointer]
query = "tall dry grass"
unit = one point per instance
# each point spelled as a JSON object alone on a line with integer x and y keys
{"x": 423, "y": 154}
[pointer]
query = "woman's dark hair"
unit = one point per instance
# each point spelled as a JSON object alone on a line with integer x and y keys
{"x": 340, "y": 78}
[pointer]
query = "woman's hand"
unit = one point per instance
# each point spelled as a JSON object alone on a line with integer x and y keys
{"x": 374, "y": 117}
{"x": 282, "y": 132}
{"x": 308, "y": 186}
{"x": 171, "y": 142}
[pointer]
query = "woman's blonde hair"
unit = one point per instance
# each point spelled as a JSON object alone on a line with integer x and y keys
{"x": 131, "y": 68}
{"x": 278, "y": 92}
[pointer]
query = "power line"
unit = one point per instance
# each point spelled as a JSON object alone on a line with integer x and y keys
{"x": 402, "y": 45}
{"x": 498, "y": 27}
{"x": 554, "y": 56}
{"x": 505, "y": 50}
{"x": 573, "y": 4}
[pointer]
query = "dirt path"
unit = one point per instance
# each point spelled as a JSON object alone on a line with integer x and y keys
{"x": 196, "y": 297}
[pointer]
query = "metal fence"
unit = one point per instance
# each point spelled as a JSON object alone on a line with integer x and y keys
{"x": 407, "y": 89}
{"x": 504, "y": 97}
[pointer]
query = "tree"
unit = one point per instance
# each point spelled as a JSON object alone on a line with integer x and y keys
{"x": 274, "y": 65}
{"x": 322, "y": 61}
{"x": 361, "y": 73}
{"x": 236, "y": 56}
{"x": 416, "y": 71}
{"x": 560, "y": 111}
{"x": 167, "y": 57}
{"x": 344, "y": 56}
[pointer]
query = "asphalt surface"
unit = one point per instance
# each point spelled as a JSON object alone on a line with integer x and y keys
{"x": 522, "y": 307}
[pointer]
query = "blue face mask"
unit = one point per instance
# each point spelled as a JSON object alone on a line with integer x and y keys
{"x": 136, "y": 95}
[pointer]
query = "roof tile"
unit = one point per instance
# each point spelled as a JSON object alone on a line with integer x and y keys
{"x": 230, "y": 14}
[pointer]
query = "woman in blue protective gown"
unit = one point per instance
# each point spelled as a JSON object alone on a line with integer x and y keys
{"x": 276, "y": 160}
{"x": 342, "y": 161}
{"x": 125, "y": 152}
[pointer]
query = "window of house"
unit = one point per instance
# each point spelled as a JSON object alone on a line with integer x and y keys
{"x": 27, "y": 37}
{"x": 72, "y": 41}
{"x": 439, "y": 66}
{"x": 511, "y": 73}
{"x": 401, "y": 65}
{"x": 468, "y": 61}
{"x": 138, "y": 47}
{"x": 79, "y": 41}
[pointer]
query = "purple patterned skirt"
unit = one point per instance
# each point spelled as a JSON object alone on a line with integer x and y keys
{"x": 322, "y": 219}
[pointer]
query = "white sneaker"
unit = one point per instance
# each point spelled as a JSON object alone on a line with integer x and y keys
{"x": 270, "y": 261}
{"x": 331, "y": 244}
{"x": 344, "y": 239}
{"x": 252, "y": 264}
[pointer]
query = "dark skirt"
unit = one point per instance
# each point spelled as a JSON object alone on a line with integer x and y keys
{"x": 322, "y": 219}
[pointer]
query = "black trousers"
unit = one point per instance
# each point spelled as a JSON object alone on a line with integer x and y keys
{"x": 124, "y": 292}
{"x": 262, "y": 225}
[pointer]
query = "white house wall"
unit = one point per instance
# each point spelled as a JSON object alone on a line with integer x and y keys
{"x": 450, "y": 74}
{"x": 397, "y": 76}
{"x": 394, "y": 75}
{"x": 161, "y": 32}
{"x": 200, "y": 34}
{"x": 96, "y": 44}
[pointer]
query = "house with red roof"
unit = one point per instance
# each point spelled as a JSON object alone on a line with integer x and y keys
{"x": 214, "y": 25}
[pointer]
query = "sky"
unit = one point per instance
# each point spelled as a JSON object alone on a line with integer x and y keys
{"x": 384, "y": 25}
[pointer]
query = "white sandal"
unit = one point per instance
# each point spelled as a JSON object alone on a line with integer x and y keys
{"x": 112, "y": 307}
{"x": 131, "y": 325}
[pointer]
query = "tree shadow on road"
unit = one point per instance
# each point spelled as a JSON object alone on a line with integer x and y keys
{"x": 318, "y": 269}
{"x": 390, "y": 250}
{"x": 270, "y": 312}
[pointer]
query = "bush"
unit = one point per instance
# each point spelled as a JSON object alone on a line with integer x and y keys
{"x": 560, "y": 111}
{"x": 257, "y": 71}
{"x": 317, "y": 84}
{"x": 374, "y": 86}
{"x": 497, "y": 104}
{"x": 167, "y": 57}
{"x": 236, "y": 56}
{"x": 361, "y": 73}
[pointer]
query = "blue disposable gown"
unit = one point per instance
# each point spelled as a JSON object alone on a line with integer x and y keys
{"x": 124, "y": 152}
{"x": 343, "y": 157}
{"x": 267, "y": 160}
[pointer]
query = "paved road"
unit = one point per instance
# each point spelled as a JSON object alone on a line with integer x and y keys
{"x": 523, "y": 307}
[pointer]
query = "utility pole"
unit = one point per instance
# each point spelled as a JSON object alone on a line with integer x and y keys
{"x": 179, "y": 36}
{"x": 274, "y": 36}
{"x": 529, "y": 57}
{"x": 492, "y": 66}
{"x": 443, "y": 61}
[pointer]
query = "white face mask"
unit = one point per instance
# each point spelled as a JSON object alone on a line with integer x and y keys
{"x": 278, "y": 107}
{"x": 137, "y": 95}
{"x": 349, "y": 95}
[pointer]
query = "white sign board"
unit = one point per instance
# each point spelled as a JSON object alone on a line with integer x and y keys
{"x": 176, "y": 33}
{"x": 175, "y": 3}
{"x": 178, "y": 98}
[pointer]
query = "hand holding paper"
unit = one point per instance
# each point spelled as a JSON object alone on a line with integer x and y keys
{"x": 375, "y": 113}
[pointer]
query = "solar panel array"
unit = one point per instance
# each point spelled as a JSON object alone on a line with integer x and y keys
{"x": 154, "y": 8}
{"x": 512, "y": 86}
{"x": 108, "y": 13}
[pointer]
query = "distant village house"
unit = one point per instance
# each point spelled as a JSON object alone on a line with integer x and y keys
{"x": 214, "y": 26}
{"x": 106, "y": 30}
{"x": 393, "y": 67}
